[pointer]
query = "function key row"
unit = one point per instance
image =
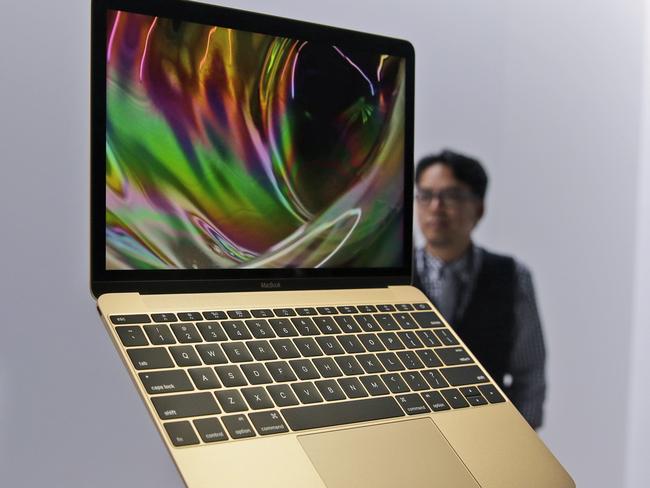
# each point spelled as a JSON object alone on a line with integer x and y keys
{"x": 262, "y": 313}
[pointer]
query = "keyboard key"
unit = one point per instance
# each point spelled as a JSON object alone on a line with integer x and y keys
{"x": 327, "y": 367}
{"x": 236, "y": 330}
{"x": 257, "y": 398}
{"x": 282, "y": 395}
{"x": 283, "y": 327}
{"x": 370, "y": 363}
{"x": 181, "y": 433}
{"x": 150, "y": 358}
{"x": 435, "y": 379}
{"x": 238, "y": 426}
{"x": 386, "y": 321}
{"x": 329, "y": 345}
{"x": 159, "y": 334}
{"x": 330, "y": 390}
{"x": 237, "y": 352}
{"x": 260, "y": 328}
{"x": 404, "y": 307}
{"x": 367, "y": 308}
{"x": 412, "y": 404}
{"x": 341, "y": 413}
{"x": 327, "y": 325}
{"x": 131, "y": 336}
{"x": 157, "y": 382}
{"x": 415, "y": 380}
{"x": 212, "y": 331}
{"x": 211, "y": 354}
{"x": 476, "y": 400}
{"x": 395, "y": 383}
{"x": 368, "y": 323}
{"x": 215, "y": 315}
{"x": 281, "y": 371}
{"x": 374, "y": 385}
{"x": 347, "y": 324}
{"x": 284, "y": 312}
{"x": 307, "y": 392}
{"x": 386, "y": 308}
{"x": 469, "y": 391}
{"x": 371, "y": 342}
{"x": 422, "y": 306}
{"x": 491, "y": 393}
{"x": 464, "y": 375}
{"x": 285, "y": 348}
{"x": 307, "y": 347}
{"x": 261, "y": 350}
{"x": 164, "y": 317}
{"x": 239, "y": 314}
{"x": 210, "y": 430}
{"x": 349, "y": 365}
{"x": 409, "y": 339}
{"x": 231, "y": 401}
{"x": 428, "y": 338}
{"x": 306, "y": 310}
{"x": 350, "y": 343}
{"x": 262, "y": 313}
{"x": 327, "y": 310}
{"x": 268, "y": 423}
{"x": 405, "y": 320}
{"x": 140, "y": 318}
{"x": 347, "y": 309}
{"x": 435, "y": 401}
{"x": 186, "y": 333}
{"x": 391, "y": 341}
{"x": 429, "y": 358}
{"x": 230, "y": 376}
{"x": 185, "y": 356}
{"x": 446, "y": 337}
{"x": 189, "y": 316}
{"x": 453, "y": 356}
{"x": 410, "y": 359}
{"x": 427, "y": 319}
{"x": 304, "y": 369}
{"x": 352, "y": 388}
{"x": 204, "y": 378}
{"x": 390, "y": 361}
{"x": 305, "y": 326}
{"x": 180, "y": 406}
{"x": 454, "y": 398}
{"x": 256, "y": 373}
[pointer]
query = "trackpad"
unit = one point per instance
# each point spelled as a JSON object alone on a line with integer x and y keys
{"x": 409, "y": 453}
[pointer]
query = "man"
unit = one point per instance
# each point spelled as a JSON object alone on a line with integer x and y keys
{"x": 487, "y": 298}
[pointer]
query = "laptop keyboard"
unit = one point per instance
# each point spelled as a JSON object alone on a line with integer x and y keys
{"x": 218, "y": 375}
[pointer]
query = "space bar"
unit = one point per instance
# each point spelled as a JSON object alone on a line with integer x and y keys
{"x": 329, "y": 414}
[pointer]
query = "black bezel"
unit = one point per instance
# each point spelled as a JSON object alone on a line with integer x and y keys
{"x": 206, "y": 280}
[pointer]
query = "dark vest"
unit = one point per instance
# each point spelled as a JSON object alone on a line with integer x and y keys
{"x": 488, "y": 321}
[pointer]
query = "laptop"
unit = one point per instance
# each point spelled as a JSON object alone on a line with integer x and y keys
{"x": 252, "y": 189}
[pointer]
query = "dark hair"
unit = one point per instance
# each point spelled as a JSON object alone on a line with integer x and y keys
{"x": 465, "y": 169}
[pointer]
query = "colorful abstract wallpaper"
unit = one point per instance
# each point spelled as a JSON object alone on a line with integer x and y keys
{"x": 232, "y": 149}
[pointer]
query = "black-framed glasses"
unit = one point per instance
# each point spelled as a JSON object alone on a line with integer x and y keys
{"x": 450, "y": 197}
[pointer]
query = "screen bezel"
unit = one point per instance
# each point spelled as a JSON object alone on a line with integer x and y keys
{"x": 233, "y": 279}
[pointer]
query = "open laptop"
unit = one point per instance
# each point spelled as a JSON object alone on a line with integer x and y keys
{"x": 251, "y": 257}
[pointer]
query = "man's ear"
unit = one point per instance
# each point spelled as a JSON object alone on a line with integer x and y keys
{"x": 480, "y": 211}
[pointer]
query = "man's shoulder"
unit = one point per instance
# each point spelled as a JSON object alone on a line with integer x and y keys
{"x": 503, "y": 261}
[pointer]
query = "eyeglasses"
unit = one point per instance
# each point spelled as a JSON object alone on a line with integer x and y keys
{"x": 450, "y": 197}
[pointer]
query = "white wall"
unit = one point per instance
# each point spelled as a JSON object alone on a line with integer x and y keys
{"x": 546, "y": 92}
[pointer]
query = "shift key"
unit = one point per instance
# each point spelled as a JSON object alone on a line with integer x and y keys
{"x": 180, "y": 406}
{"x": 464, "y": 375}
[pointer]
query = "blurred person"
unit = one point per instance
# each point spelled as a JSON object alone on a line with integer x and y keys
{"x": 487, "y": 298}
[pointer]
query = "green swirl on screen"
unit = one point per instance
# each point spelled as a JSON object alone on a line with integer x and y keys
{"x": 230, "y": 149}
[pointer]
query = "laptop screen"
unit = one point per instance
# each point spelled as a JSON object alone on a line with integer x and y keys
{"x": 233, "y": 149}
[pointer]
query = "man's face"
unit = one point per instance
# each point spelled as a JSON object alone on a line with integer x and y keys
{"x": 448, "y": 211}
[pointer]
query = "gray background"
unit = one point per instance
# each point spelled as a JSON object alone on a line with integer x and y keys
{"x": 551, "y": 95}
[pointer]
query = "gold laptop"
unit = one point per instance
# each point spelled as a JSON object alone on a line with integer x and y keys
{"x": 252, "y": 186}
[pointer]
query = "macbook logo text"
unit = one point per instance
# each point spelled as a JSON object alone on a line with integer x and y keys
{"x": 270, "y": 284}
